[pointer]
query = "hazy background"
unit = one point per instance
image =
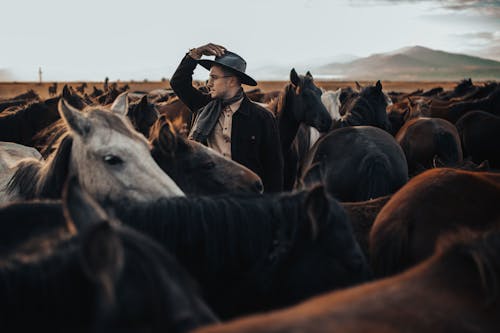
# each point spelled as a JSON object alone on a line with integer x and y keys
{"x": 136, "y": 40}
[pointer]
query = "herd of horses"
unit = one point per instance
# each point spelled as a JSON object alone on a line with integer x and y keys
{"x": 112, "y": 220}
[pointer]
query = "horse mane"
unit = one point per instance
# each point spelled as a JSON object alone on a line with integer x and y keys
{"x": 482, "y": 249}
{"x": 38, "y": 179}
{"x": 56, "y": 275}
{"x": 284, "y": 99}
{"x": 224, "y": 230}
{"x": 47, "y": 138}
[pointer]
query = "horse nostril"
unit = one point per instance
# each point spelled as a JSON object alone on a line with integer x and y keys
{"x": 258, "y": 186}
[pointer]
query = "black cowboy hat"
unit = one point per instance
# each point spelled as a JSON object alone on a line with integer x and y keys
{"x": 232, "y": 62}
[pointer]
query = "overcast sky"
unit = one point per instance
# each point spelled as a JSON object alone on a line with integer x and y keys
{"x": 125, "y": 39}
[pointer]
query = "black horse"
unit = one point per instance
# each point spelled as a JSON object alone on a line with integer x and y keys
{"x": 480, "y": 135}
{"x": 107, "y": 277}
{"x": 356, "y": 164}
{"x": 21, "y": 125}
{"x": 298, "y": 103}
{"x": 253, "y": 253}
{"x": 366, "y": 108}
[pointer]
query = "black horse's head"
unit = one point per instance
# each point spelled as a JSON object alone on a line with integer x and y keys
{"x": 308, "y": 107}
{"x": 142, "y": 115}
{"x": 377, "y": 105}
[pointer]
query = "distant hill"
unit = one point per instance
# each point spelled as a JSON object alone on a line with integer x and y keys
{"x": 414, "y": 63}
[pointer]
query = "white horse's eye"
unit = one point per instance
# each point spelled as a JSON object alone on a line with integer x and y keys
{"x": 112, "y": 159}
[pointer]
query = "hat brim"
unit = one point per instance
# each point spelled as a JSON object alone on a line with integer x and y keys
{"x": 245, "y": 79}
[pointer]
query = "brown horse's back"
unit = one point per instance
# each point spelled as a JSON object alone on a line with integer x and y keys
{"x": 437, "y": 201}
{"x": 423, "y": 139}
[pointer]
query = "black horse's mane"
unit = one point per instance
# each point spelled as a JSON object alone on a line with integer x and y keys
{"x": 37, "y": 179}
{"x": 226, "y": 230}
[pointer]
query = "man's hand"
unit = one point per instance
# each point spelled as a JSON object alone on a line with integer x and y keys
{"x": 208, "y": 50}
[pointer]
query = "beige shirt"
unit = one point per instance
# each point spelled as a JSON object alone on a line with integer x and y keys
{"x": 220, "y": 139}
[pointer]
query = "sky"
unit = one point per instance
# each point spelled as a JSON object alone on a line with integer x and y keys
{"x": 88, "y": 40}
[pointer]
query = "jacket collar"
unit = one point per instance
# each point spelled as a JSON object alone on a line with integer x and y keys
{"x": 244, "y": 107}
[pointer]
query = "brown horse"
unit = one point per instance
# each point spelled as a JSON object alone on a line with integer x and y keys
{"x": 480, "y": 135}
{"x": 455, "y": 291}
{"x": 362, "y": 214}
{"x": 177, "y": 113}
{"x": 423, "y": 139}
{"x": 197, "y": 169}
{"x": 434, "y": 202}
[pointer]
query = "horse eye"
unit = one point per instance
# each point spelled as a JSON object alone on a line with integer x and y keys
{"x": 112, "y": 160}
{"x": 209, "y": 165}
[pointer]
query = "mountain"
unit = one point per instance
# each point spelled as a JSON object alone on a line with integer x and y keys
{"x": 414, "y": 63}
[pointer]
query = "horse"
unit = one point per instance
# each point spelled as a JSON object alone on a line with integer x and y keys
{"x": 177, "y": 113}
{"x": 70, "y": 267}
{"x": 366, "y": 108}
{"x": 195, "y": 168}
{"x": 356, "y": 163}
{"x": 462, "y": 88}
{"x": 255, "y": 252}
{"x": 11, "y": 153}
{"x": 424, "y": 139}
{"x": 22, "y": 124}
{"x": 479, "y": 134}
{"x": 298, "y": 103}
{"x": 454, "y": 291}
{"x": 142, "y": 115}
{"x": 111, "y": 160}
{"x": 362, "y": 214}
{"x": 453, "y": 111}
{"x": 53, "y": 89}
{"x": 432, "y": 203}
{"x": 81, "y": 87}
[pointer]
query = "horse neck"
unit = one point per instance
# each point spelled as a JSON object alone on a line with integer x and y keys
{"x": 204, "y": 234}
{"x": 288, "y": 125}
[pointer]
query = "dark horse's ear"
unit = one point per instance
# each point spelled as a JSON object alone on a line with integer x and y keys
{"x": 79, "y": 207}
{"x": 378, "y": 85}
{"x": 294, "y": 77}
{"x": 317, "y": 208}
{"x": 308, "y": 74}
{"x": 167, "y": 138}
{"x": 101, "y": 252}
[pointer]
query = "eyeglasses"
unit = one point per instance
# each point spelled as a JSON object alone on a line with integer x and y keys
{"x": 213, "y": 77}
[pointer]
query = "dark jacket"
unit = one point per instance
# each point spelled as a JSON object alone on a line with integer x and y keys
{"x": 254, "y": 133}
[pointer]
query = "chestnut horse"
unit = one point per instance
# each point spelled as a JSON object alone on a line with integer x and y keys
{"x": 424, "y": 139}
{"x": 434, "y": 202}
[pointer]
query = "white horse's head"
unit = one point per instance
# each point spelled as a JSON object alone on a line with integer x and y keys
{"x": 111, "y": 160}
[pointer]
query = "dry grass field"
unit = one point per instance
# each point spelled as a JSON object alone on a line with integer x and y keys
{"x": 10, "y": 89}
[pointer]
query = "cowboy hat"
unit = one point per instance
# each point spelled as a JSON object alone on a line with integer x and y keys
{"x": 233, "y": 62}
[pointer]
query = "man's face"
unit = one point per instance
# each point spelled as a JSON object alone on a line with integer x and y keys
{"x": 218, "y": 83}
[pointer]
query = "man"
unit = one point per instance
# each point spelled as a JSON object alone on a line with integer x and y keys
{"x": 225, "y": 119}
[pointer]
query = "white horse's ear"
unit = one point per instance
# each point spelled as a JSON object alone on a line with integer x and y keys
{"x": 294, "y": 77}
{"x": 75, "y": 119}
{"x": 120, "y": 105}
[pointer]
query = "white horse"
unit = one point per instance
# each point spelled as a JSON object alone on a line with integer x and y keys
{"x": 111, "y": 161}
